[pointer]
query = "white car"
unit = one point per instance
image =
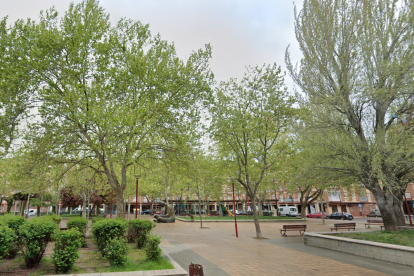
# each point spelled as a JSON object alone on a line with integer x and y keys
{"x": 32, "y": 212}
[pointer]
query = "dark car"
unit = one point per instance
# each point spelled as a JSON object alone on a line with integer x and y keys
{"x": 338, "y": 215}
{"x": 147, "y": 212}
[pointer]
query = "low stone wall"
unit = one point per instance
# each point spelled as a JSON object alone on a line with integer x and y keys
{"x": 380, "y": 251}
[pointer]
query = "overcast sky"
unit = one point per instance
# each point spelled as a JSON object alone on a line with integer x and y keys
{"x": 240, "y": 32}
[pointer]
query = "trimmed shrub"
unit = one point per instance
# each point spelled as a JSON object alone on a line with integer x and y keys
{"x": 107, "y": 229}
{"x": 35, "y": 235}
{"x": 96, "y": 219}
{"x": 8, "y": 242}
{"x": 66, "y": 249}
{"x": 138, "y": 229}
{"x": 13, "y": 222}
{"x": 117, "y": 251}
{"x": 152, "y": 248}
{"x": 55, "y": 218}
{"x": 80, "y": 224}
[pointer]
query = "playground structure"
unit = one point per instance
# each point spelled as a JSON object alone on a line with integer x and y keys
{"x": 228, "y": 212}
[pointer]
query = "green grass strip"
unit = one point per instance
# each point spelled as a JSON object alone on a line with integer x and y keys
{"x": 404, "y": 237}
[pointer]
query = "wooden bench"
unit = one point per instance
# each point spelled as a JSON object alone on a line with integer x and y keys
{"x": 300, "y": 228}
{"x": 406, "y": 227}
{"x": 344, "y": 226}
{"x": 374, "y": 222}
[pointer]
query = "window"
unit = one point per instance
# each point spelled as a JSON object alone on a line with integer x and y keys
{"x": 352, "y": 207}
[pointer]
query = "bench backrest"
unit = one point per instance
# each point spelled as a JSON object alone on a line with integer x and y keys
{"x": 374, "y": 221}
{"x": 294, "y": 226}
{"x": 344, "y": 224}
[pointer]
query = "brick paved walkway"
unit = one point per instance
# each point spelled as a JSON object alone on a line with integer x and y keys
{"x": 221, "y": 253}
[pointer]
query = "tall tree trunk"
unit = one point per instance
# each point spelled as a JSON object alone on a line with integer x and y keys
{"x": 119, "y": 199}
{"x": 389, "y": 202}
{"x": 151, "y": 207}
{"x": 260, "y": 206}
{"x": 199, "y": 207}
{"x": 27, "y": 203}
{"x": 256, "y": 218}
{"x": 84, "y": 207}
{"x": 304, "y": 206}
{"x": 322, "y": 208}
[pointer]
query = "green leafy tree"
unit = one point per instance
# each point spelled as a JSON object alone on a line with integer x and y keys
{"x": 109, "y": 92}
{"x": 356, "y": 76}
{"x": 247, "y": 120}
{"x": 17, "y": 83}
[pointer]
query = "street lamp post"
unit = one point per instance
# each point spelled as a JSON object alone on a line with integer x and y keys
{"x": 136, "y": 197}
{"x": 340, "y": 204}
{"x": 234, "y": 210}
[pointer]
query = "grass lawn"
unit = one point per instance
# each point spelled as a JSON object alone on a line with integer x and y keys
{"x": 238, "y": 218}
{"x": 404, "y": 237}
{"x": 136, "y": 262}
{"x": 90, "y": 261}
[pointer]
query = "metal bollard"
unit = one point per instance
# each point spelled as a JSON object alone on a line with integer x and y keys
{"x": 195, "y": 270}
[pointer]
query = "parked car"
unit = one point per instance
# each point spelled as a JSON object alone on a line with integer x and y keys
{"x": 147, "y": 212}
{"x": 375, "y": 213}
{"x": 315, "y": 215}
{"x": 338, "y": 215}
{"x": 288, "y": 211}
{"x": 32, "y": 212}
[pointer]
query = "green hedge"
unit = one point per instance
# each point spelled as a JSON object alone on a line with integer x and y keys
{"x": 35, "y": 235}
{"x": 8, "y": 242}
{"x": 116, "y": 251}
{"x": 96, "y": 219}
{"x": 55, "y": 218}
{"x": 13, "y": 222}
{"x": 152, "y": 248}
{"x": 107, "y": 229}
{"x": 80, "y": 224}
{"x": 138, "y": 230}
{"x": 66, "y": 249}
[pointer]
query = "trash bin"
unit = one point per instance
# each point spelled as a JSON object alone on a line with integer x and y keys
{"x": 360, "y": 213}
{"x": 196, "y": 270}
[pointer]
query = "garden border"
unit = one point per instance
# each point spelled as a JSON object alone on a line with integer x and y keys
{"x": 177, "y": 271}
{"x": 381, "y": 251}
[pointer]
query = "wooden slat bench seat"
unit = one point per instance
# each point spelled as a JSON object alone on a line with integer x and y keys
{"x": 378, "y": 222}
{"x": 300, "y": 228}
{"x": 344, "y": 226}
{"x": 406, "y": 227}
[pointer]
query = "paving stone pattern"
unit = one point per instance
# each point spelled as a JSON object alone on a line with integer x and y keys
{"x": 221, "y": 253}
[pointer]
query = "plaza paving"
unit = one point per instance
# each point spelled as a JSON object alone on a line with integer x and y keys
{"x": 221, "y": 253}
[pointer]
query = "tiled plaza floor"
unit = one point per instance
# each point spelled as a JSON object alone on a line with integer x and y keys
{"x": 221, "y": 253}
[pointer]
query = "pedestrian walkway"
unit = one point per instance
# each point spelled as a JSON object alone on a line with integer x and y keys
{"x": 221, "y": 253}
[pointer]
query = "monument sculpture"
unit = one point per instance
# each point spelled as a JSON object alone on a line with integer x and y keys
{"x": 168, "y": 216}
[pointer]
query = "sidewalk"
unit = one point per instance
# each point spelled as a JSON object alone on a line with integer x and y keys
{"x": 221, "y": 253}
